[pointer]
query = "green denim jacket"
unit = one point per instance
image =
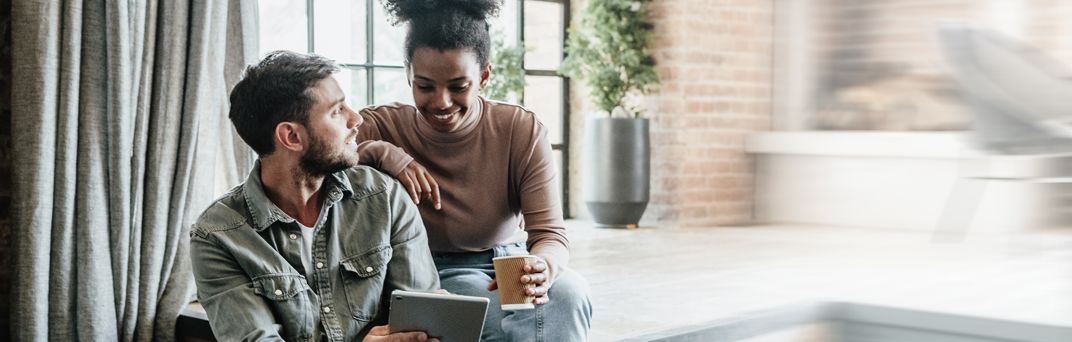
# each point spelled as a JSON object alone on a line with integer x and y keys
{"x": 247, "y": 260}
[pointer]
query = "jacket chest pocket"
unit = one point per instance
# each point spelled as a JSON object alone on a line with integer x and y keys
{"x": 363, "y": 277}
{"x": 289, "y": 297}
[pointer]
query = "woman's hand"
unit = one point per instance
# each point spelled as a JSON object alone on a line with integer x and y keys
{"x": 536, "y": 274}
{"x": 419, "y": 184}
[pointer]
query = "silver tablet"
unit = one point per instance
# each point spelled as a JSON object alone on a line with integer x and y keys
{"x": 451, "y": 318}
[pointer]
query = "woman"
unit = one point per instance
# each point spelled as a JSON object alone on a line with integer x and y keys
{"x": 486, "y": 168}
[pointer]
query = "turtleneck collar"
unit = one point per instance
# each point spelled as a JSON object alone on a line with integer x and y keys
{"x": 467, "y": 125}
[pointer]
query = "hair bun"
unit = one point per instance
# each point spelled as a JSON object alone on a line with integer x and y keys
{"x": 408, "y": 10}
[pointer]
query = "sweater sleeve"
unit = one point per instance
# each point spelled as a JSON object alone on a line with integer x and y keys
{"x": 377, "y": 152}
{"x": 383, "y": 156}
{"x": 541, "y": 204}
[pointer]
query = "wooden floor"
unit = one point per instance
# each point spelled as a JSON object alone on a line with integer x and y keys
{"x": 657, "y": 278}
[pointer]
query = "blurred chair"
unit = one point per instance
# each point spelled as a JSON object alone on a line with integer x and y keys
{"x": 1021, "y": 105}
{"x": 1021, "y": 99}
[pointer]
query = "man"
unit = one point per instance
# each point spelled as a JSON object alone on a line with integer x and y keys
{"x": 310, "y": 246}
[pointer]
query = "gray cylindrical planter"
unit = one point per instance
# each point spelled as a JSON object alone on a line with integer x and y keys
{"x": 617, "y": 170}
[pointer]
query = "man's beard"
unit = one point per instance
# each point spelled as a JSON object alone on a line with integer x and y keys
{"x": 318, "y": 162}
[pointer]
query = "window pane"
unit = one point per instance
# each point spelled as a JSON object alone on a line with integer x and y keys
{"x": 391, "y": 86}
{"x": 388, "y": 39}
{"x": 339, "y": 30}
{"x": 543, "y": 95}
{"x": 505, "y": 25}
{"x": 355, "y": 85}
{"x": 283, "y": 26}
{"x": 543, "y": 35}
{"x": 558, "y": 162}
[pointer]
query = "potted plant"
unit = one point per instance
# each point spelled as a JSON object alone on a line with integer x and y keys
{"x": 608, "y": 51}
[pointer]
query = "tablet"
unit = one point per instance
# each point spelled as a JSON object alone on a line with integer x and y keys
{"x": 451, "y": 318}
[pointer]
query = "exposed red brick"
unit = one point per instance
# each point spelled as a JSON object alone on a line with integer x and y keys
{"x": 714, "y": 62}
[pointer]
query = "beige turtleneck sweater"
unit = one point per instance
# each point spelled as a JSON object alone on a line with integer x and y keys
{"x": 495, "y": 172}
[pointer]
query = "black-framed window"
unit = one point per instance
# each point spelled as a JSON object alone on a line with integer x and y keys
{"x": 543, "y": 26}
{"x": 358, "y": 35}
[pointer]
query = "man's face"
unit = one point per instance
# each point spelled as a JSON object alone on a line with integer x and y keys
{"x": 331, "y": 130}
{"x": 444, "y": 84}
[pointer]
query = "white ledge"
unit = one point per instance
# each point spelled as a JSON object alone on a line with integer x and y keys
{"x": 863, "y": 144}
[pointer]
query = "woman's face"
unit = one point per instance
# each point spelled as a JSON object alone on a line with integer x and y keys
{"x": 444, "y": 84}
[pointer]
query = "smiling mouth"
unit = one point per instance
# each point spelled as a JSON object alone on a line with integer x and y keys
{"x": 444, "y": 117}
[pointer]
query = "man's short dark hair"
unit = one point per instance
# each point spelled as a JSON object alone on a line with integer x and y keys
{"x": 275, "y": 90}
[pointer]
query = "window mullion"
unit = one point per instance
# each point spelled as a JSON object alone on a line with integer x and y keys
{"x": 370, "y": 76}
{"x": 565, "y": 115}
{"x": 310, "y": 34}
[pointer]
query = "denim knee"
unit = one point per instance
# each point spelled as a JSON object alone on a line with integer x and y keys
{"x": 464, "y": 281}
{"x": 571, "y": 291}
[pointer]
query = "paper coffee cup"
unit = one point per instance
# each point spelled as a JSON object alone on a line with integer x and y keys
{"x": 508, "y": 272}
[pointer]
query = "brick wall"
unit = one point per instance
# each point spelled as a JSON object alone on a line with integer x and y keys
{"x": 714, "y": 61}
{"x": 855, "y": 34}
{"x": 5, "y": 164}
{"x": 858, "y": 39}
{"x": 890, "y": 51}
{"x": 716, "y": 66}
{"x": 1048, "y": 28}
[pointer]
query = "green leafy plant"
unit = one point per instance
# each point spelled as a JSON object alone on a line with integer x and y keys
{"x": 608, "y": 51}
{"x": 507, "y": 82}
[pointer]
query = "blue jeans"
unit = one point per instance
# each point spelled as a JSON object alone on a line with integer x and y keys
{"x": 566, "y": 317}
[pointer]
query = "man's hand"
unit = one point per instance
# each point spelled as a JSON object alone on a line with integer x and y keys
{"x": 534, "y": 274}
{"x": 419, "y": 184}
{"x": 382, "y": 334}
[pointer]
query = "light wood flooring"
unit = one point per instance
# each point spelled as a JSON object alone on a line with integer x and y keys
{"x": 657, "y": 278}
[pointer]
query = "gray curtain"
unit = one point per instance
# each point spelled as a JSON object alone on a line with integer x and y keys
{"x": 116, "y": 121}
{"x": 234, "y": 157}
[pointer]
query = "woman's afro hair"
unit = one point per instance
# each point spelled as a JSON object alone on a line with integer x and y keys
{"x": 445, "y": 24}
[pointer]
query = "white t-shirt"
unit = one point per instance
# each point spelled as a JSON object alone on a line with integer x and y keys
{"x": 307, "y": 234}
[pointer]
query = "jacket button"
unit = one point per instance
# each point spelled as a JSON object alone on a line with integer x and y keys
{"x": 278, "y": 292}
{"x": 293, "y": 236}
{"x": 327, "y": 309}
{"x": 368, "y": 269}
{"x": 319, "y": 265}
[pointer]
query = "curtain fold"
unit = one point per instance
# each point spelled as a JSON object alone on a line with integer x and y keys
{"x": 116, "y": 119}
{"x": 234, "y": 156}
